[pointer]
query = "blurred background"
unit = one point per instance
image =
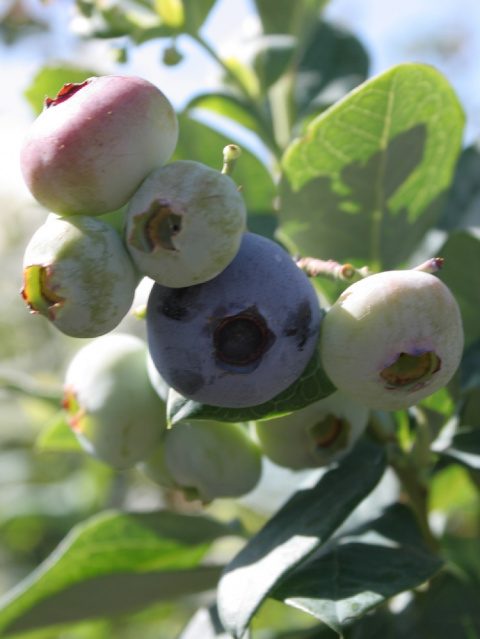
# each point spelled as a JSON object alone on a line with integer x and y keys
{"x": 43, "y": 494}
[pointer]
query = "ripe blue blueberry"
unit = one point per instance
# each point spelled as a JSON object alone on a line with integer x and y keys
{"x": 241, "y": 338}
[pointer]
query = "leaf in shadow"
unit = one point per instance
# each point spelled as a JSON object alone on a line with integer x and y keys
{"x": 361, "y": 570}
{"x": 358, "y": 224}
{"x": 303, "y": 524}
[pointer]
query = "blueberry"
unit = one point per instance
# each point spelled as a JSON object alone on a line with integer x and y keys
{"x": 313, "y": 436}
{"x": 392, "y": 339}
{"x": 111, "y": 406}
{"x": 206, "y": 460}
{"x": 241, "y": 338}
{"x": 185, "y": 224}
{"x": 95, "y": 142}
{"x": 78, "y": 274}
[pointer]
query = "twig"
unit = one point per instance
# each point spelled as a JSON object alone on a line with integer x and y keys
{"x": 331, "y": 269}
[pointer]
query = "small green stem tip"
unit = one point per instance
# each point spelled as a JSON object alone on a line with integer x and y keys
{"x": 140, "y": 312}
{"x": 231, "y": 153}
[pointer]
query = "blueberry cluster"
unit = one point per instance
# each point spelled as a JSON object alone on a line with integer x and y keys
{"x": 231, "y": 319}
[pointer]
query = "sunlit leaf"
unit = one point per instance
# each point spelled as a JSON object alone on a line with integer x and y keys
{"x": 206, "y": 624}
{"x": 57, "y": 436}
{"x": 368, "y": 179}
{"x": 110, "y": 562}
{"x": 49, "y": 80}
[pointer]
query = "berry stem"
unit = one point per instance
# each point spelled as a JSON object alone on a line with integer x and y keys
{"x": 432, "y": 265}
{"x": 24, "y": 384}
{"x": 404, "y": 466}
{"x": 330, "y": 269}
{"x": 231, "y": 153}
{"x": 251, "y": 104}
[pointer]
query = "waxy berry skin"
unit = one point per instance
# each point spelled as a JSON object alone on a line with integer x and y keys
{"x": 185, "y": 224}
{"x": 241, "y": 338}
{"x": 392, "y": 339}
{"x": 78, "y": 274}
{"x": 206, "y": 460}
{"x": 111, "y": 407}
{"x": 314, "y": 436}
{"x": 92, "y": 145}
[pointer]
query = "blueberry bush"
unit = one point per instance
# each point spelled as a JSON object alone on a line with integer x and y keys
{"x": 265, "y": 420}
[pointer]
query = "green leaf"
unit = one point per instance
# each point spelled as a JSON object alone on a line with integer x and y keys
{"x": 464, "y": 552}
{"x": 461, "y": 273}
{"x": 367, "y": 180}
{"x": 205, "y": 624}
{"x": 451, "y": 489}
{"x": 463, "y": 204}
{"x": 232, "y": 107}
{"x": 379, "y": 624}
{"x": 311, "y": 386}
{"x": 448, "y": 608}
{"x": 469, "y": 413}
{"x": 196, "y": 12}
{"x": 470, "y": 369}
{"x": 330, "y": 54}
{"x": 49, "y": 80}
{"x": 200, "y": 142}
{"x": 286, "y": 16}
{"x": 58, "y": 437}
{"x": 171, "y": 12}
{"x": 305, "y": 522}
{"x": 463, "y": 447}
{"x": 361, "y": 570}
{"x": 273, "y": 55}
{"x": 115, "y": 550}
{"x": 109, "y": 595}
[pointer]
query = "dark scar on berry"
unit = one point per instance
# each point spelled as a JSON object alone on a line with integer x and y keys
{"x": 298, "y": 324}
{"x": 68, "y": 89}
{"x": 156, "y": 228}
{"x": 186, "y": 382}
{"x": 241, "y": 340}
{"x": 176, "y": 304}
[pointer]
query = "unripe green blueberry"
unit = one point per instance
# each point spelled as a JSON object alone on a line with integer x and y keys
{"x": 185, "y": 224}
{"x": 392, "y": 339}
{"x": 313, "y": 436}
{"x": 77, "y": 273}
{"x": 206, "y": 460}
{"x": 95, "y": 142}
{"x": 111, "y": 406}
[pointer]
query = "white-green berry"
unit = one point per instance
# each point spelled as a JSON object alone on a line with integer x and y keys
{"x": 185, "y": 224}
